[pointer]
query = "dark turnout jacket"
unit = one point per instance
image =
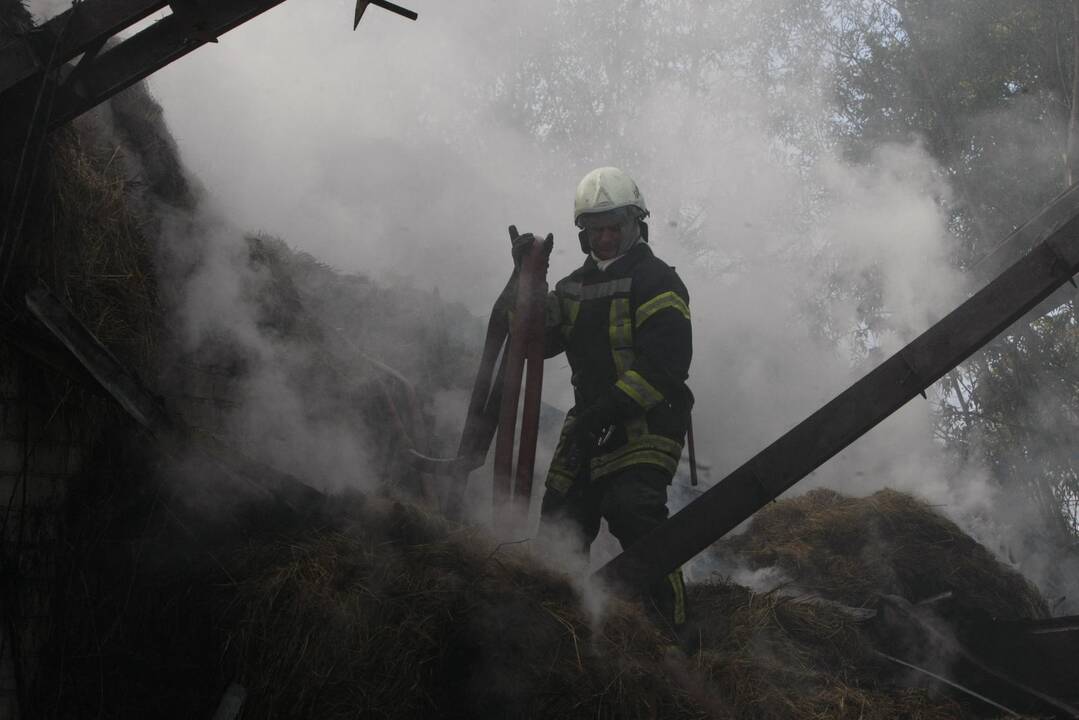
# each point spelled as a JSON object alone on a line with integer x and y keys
{"x": 626, "y": 332}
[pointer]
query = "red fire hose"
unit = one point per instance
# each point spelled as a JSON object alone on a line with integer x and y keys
{"x": 525, "y": 344}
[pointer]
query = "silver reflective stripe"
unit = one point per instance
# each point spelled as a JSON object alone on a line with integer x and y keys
{"x": 597, "y": 291}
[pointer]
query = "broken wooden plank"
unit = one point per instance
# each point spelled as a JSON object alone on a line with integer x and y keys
{"x": 147, "y": 409}
{"x": 1054, "y": 235}
{"x": 123, "y": 385}
{"x": 68, "y": 34}
{"x": 103, "y": 74}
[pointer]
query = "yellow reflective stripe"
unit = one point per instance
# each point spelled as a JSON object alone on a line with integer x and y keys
{"x": 642, "y": 391}
{"x": 678, "y": 583}
{"x": 573, "y": 307}
{"x": 620, "y": 332}
{"x": 663, "y": 301}
{"x": 646, "y": 450}
{"x": 639, "y": 457}
{"x": 559, "y": 480}
{"x": 648, "y": 442}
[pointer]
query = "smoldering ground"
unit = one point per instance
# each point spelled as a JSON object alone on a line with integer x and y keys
{"x": 404, "y": 149}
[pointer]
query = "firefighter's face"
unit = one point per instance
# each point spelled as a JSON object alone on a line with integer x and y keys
{"x": 605, "y": 232}
{"x": 605, "y": 241}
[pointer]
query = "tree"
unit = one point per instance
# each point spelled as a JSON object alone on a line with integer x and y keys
{"x": 989, "y": 88}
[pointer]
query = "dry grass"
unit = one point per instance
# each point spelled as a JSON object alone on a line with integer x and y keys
{"x": 852, "y": 549}
{"x": 97, "y": 257}
{"x": 380, "y": 610}
{"x": 775, "y": 657}
{"x": 397, "y": 615}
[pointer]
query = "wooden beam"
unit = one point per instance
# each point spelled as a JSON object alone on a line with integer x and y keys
{"x": 103, "y": 74}
{"x": 68, "y": 34}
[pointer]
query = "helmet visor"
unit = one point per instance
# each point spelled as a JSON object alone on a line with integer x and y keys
{"x": 621, "y": 219}
{"x": 622, "y": 222}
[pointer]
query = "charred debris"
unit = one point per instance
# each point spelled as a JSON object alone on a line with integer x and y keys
{"x": 127, "y": 592}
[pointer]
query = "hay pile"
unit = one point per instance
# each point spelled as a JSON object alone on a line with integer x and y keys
{"x": 375, "y": 609}
{"x": 98, "y": 258}
{"x": 852, "y": 549}
{"x": 395, "y": 614}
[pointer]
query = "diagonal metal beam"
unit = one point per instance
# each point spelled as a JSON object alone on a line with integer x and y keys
{"x": 1054, "y": 236}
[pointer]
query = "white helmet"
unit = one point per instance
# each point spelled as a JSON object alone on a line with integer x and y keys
{"x": 605, "y": 189}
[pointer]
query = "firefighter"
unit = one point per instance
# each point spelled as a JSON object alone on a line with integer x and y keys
{"x": 622, "y": 319}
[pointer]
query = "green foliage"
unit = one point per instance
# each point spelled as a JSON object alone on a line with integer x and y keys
{"x": 1014, "y": 406}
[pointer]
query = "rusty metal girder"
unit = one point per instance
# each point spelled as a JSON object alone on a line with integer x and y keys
{"x": 105, "y": 71}
{"x": 1054, "y": 259}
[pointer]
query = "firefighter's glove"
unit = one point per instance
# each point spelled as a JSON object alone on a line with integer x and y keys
{"x": 520, "y": 244}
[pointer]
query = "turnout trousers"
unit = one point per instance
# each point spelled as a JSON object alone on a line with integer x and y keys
{"x": 632, "y": 501}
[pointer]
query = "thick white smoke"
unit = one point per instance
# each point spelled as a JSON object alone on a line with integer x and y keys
{"x": 387, "y": 151}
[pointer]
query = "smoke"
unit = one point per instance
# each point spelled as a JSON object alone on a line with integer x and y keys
{"x": 44, "y": 9}
{"x": 291, "y": 403}
{"x": 403, "y": 150}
